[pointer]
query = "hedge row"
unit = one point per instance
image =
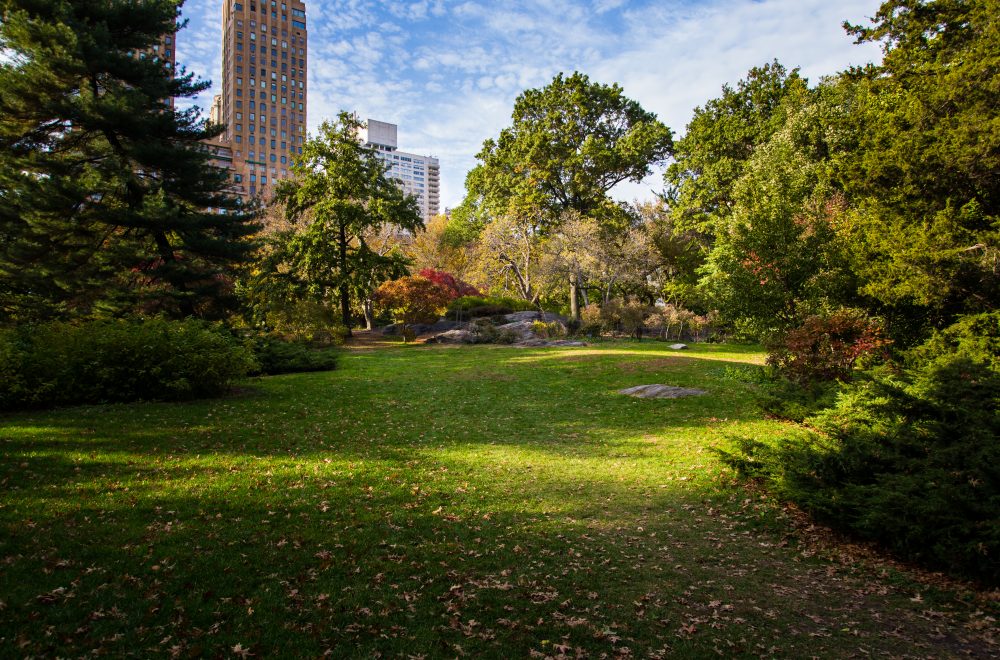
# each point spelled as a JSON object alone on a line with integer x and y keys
{"x": 115, "y": 361}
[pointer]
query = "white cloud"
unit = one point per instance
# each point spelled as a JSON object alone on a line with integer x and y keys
{"x": 449, "y": 71}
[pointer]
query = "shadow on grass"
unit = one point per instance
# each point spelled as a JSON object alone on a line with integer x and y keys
{"x": 439, "y": 502}
{"x": 362, "y": 568}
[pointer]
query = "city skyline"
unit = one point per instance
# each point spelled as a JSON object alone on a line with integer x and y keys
{"x": 448, "y": 72}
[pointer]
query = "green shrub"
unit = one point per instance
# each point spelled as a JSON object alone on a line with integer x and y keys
{"x": 13, "y": 354}
{"x": 507, "y": 337}
{"x": 976, "y": 337}
{"x": 113, "y": 361}
{"x": 550, "y": 330}
{"x": 471, "y": 307}
{"x": 278, "y": 356}
{"x": 484, "y": 332}
{"x": 749, "y": 374}
{"x": 909, "y": 458}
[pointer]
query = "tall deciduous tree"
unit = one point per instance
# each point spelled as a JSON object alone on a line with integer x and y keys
{"x": 509, "y": 253}
{"x": 570, "y": 143}
{"x": 342, "y": 187}
{"x": 720, "y": 140}
{"x": 440, "y": 248}
{"x": 680, "y": 252}
{"x": 776, "y": 258}
{"x": 107, "y": 197}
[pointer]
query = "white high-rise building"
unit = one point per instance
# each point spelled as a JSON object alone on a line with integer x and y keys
{"x": 419, "y": 176}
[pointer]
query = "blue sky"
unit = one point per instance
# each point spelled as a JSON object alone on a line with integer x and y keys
{"x": 448, "y": 71}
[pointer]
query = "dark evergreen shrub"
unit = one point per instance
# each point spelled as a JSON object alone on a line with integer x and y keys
{"x": 471, "y": 307}
{"x": 114, "y": 361}
{"x": 907, "y": 457}
{"x": 278, "y": 356}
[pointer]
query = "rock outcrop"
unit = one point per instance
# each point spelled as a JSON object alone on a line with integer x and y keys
{"x": 458, "y": 336}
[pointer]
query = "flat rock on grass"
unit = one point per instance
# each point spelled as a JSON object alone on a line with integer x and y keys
{"x": 661, "y": 392}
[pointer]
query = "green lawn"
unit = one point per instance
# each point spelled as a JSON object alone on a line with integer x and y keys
{"x": 438, "y": 502}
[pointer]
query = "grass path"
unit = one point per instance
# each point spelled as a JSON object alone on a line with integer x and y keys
{"x": 433, "y": 502}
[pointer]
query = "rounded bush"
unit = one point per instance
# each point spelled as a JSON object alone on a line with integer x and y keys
{"x": 115, "y": 361}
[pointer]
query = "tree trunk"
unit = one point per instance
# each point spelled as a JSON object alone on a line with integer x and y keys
{"x": 574, "y": 295}
{"x": 369, "y": 309}
{"x": 345, "y": 292}
{"x": 166, "y": 251}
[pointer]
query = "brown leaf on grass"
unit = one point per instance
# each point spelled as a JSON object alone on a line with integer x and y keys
{"x": 53, "y": 596}
{"x": 540, "y": 597}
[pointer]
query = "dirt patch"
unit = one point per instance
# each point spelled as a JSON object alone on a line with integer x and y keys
{"x": 647, "y": 366}
{"x": 466, "y": 376}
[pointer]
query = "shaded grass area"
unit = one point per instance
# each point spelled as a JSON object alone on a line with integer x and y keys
{"x": 439, "y": 502}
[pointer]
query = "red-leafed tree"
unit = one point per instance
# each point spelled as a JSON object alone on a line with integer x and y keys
{"x": 412, "y": 300}
{"x": 457, "y": 288}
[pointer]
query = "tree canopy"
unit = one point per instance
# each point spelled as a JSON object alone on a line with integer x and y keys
{"x": 108, "y": 201}
{"x": 340, "y": 198}
{"x": 876, "y": 189}
{"x": 570, "y": 143}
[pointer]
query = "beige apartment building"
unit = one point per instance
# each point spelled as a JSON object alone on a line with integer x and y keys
{"x": 264, "y": 90}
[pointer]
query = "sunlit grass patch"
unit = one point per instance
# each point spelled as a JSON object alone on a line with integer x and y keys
{"x": 425, "y": 501}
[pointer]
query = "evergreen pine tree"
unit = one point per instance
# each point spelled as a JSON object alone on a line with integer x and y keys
{"x": 108, "y": 201}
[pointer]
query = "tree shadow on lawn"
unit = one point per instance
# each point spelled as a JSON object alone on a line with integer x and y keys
{"x": 367, "y": 510}
{"x": 292, "y": 571}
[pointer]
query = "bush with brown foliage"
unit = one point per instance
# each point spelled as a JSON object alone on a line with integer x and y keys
{"x": 827, "y": 348}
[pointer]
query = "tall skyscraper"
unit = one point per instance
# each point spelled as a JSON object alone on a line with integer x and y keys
{"x": 264, "y": 90}
{"x": 419, "y": 176}
{"x": 165, "y": 52}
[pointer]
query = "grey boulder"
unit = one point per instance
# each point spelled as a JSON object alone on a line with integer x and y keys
{"x": 534, "y": 316}
{"x": 661, "y": 392}
{"x": 453, "y": 337}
